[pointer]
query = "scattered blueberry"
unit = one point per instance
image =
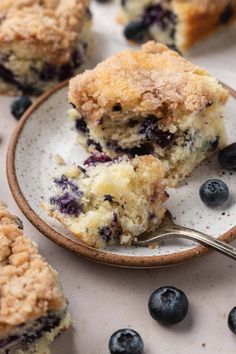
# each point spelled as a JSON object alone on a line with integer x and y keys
{"x": 232, "y": 320}
{"x": 97, "y": 157}
{"x": 214, "y": 192}
{"x": 126, "y": 341}
{"x": 227, "y": 157}
{"x": 20, "y": 105}
{"x": 168, "y": 305}
{"x": 135, "y": 31}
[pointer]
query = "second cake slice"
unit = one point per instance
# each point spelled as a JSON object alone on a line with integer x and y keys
{"x": 150, "y": 101}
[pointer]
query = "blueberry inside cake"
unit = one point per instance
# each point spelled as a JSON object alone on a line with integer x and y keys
{"x": 176, "y": 23}
{"x": 150, "y": 101}
{"x": 33, "y": 310}
{"x": 41, "y": 43}
{"x": 110, "y": 201}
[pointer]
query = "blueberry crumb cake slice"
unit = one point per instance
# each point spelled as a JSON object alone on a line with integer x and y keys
{"x": 42, "y": 42}
{"x": 110, "y": 201}
{"x": 150, "y": 101}
{"x": 177, "y": 23}
{"x": 33, "y": 310}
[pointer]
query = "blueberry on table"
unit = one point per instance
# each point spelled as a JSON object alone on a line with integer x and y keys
{"x": 214, "y": 192}
{"x": 135, "y": 31}
{"x": 227, "y": 157}
{"x": 126, "y": 341}
{"x": 232, "y": 320}
{"x": 19, "y": 106}
{"x": 168, "y": 305}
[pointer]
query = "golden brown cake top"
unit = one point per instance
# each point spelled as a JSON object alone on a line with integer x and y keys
{"x": 28, "y": 285}
{"x": 52, "y": 25}
{"x": 143, "y": 82}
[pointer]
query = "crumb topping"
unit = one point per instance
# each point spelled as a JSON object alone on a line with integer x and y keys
{"x": 28, "y": 285}
{"x": 52, "y": 25}
{"x": 143, "y": 82}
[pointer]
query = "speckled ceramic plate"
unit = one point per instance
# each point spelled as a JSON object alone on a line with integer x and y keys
{"x": 44, "y": 132}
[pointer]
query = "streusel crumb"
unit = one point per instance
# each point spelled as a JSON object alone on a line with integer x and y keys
{"x": 145, "y": 81}
{"x": 28, "y": 285}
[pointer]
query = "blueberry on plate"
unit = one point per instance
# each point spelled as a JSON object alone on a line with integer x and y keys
{"x": 227, "y": 157}
{"x": 20, "y": 105}
{"x": 232, "y": 320}
{"x": 126, "y": 341}
{"x": 135, "y": 31}
{"x": 168, "y": 305}
{"x": 214, "y": 192}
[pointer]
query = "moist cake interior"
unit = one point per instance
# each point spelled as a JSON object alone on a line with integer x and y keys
{"x": 181, "y": 144}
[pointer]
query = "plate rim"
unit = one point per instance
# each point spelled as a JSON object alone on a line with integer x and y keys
{"x": 87, "y": 252}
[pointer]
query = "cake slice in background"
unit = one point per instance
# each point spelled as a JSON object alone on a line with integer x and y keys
{"x": 41, "y": 43}
{"x": 33, "y": 309}
{"x": 110, "y": 202}
{"x": 177, "y": 23}
{"x": 150, "y": 101}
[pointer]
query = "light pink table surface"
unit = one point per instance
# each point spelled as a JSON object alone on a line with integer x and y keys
{"x": 103, "y": 299}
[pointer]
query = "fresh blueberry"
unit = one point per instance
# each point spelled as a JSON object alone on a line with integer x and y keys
{"x": 135, "y": 31}
{"x": 214, "y": 192}
{"x": 20, "y": 105}
{"x": 168, "y": 305}
{"x": 232, "y": 320}
{"x": 126, "y": 341}
{"x": 227, "y": 157}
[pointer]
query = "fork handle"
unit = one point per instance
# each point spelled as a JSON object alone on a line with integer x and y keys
{"x": 208, "y": 240}
{"x": 204, "y": 239}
